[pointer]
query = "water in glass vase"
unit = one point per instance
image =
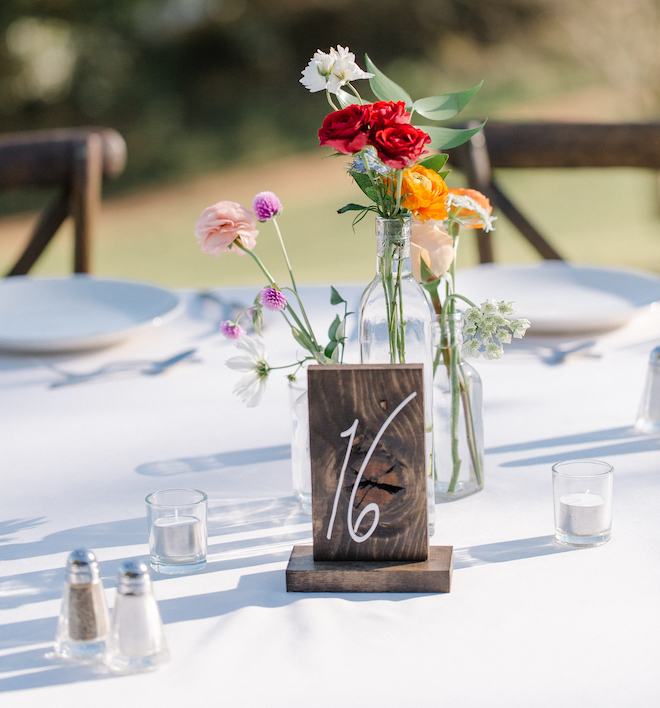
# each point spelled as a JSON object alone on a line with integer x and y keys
{"x": 396, "y": 322}
{"x": 457, "y": 415}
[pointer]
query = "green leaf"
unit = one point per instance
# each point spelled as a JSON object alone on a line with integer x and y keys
{"x": 385, "y": 89}
{"x": 427, "y": 274}
{"x": 340, "y": 334}
{"x": 351, "y": 207}
{"x": 366, "y": 185}
{"x": 446, "y": 106}
{"x": 257, "y": 320}
{"x": 335, "y": 297}
{"x": 446, "y": 138}
{"x": 332, "y": 346}
{"x": 346, "y": 99}
{"x": 444, "y": 173}
{"x": 302, "y": 339}
{"x": 333, "y": 328}
{"x": 336, "y": 354}
{"x": 435, "y": 162}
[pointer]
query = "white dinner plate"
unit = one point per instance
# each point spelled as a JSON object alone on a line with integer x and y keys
{"x": 77, "y": 312}
{"x": 560, "y": 298}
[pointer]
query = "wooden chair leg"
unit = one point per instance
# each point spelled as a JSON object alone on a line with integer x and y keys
{"x": 48, "y": 224}
{"x": 86, "y": 197}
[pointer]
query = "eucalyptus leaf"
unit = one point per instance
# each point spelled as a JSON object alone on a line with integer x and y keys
{"x": 332, "y": 346}
{"x": 333, "y": 328}
{"x": 340, "y": 333}
{"x": 335, "y": 355}
{"x": 444, "y": 173}
{"x": 302, "y": 339}
{"x": 257, "y": 320}
{"x": 346, "y": 99}
{"x": 385, "y": 89}
{"x": 435, "y": 162}
{"x": 446, "y": 138}
{"x": 446, "y": 106}
{"x": 351, "y": 207}
{"x": 335, "y": 297}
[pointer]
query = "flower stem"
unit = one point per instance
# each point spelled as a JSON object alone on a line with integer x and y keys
{"x": 286, "y": 255}
{"x": 332, "y": 105}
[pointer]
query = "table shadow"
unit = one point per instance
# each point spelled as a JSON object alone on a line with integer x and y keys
{"x": 505, "y": 551}
{"x": 614, "y": 441}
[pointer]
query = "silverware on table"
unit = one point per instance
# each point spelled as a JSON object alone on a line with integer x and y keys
{"x": 149, "y": 368}
{"x": 558, "y": 355}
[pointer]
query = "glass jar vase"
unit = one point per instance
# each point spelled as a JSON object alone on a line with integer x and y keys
{"x": 396, "y": 321}
{"x": 457, "y": 415}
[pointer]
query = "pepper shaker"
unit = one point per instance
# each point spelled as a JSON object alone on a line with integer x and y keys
{"x": 648, "y": 417}
{"x": 83, "y": 622}
{"x": 136, "y": 641}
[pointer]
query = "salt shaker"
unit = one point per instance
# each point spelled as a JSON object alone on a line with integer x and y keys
{"x": 648, "y": 417}
{"x": 83, "y": 622}
{"x": 136, "y": 641}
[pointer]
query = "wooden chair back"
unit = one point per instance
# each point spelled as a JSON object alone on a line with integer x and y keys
{"x": 75, "y": 159}
{"x": 529, "y": 145}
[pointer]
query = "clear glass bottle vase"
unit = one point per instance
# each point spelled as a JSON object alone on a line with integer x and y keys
{"x": 396, "y": 321}
{"x": 301, "y": 465}
{"x": 457, "y": 415}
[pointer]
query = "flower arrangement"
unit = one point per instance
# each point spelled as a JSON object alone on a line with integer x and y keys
{"x": 393, "y": 167}
{"x": 228, "y": 227}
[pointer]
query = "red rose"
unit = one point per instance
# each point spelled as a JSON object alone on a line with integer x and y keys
{"x": 384, "y": 114}
{"x": 346, "y": 130}
{"x": 400, "y": 146}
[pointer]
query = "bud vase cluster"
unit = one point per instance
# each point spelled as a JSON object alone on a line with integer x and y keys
{"x": 229, "y": 227}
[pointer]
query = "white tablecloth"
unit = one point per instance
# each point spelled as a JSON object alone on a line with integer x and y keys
{"x": 527, "y": 623}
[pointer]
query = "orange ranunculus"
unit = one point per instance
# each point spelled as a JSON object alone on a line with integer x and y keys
{"x": 425, "y": 192}
{"x": 432, "y": 244}
{"x": 470, "y": 219}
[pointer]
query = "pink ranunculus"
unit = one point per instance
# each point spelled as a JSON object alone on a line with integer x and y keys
{"x": 221, "y": 225}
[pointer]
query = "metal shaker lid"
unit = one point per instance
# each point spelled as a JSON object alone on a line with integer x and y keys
{"x": 133, "y": 578}
{"x": 82, "y": 567}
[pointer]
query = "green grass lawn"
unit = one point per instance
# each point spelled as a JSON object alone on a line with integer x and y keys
{"x": 590, "y": 216}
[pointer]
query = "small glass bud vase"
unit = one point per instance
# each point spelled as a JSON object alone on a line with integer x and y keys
{"x": 301, "y": 464}
{"x": 396, "y": 321}
{"x": 83, "y": 621}
{"x": 136, "y": 641}
{"x": 457, "y": 415}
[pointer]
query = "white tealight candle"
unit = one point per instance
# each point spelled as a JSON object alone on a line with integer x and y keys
{"x": 583, "y": 514}
{"x": 177, "y": 537}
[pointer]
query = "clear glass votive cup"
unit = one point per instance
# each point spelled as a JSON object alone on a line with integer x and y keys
{"x": 583, "y": 502}
{"x": 177, "y": 530}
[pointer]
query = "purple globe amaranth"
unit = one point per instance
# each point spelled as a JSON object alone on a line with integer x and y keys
{"x": 272, "y": 299}
{"x": 232, "y": 330}
{"x": 266, "y": 206}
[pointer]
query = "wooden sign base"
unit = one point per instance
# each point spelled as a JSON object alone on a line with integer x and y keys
{"x": 433, "y": 575}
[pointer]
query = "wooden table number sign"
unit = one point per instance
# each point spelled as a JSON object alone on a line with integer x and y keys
{"x": 369, "y": 489}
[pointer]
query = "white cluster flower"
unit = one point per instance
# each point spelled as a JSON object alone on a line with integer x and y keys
{"x": 331, "y": 71}
{"x": 488, "y": 327}
{"x": 462, "y": 201}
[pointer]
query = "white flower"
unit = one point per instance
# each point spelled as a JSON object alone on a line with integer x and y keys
{"x": 331, "y": 71}
{"x": 315, "y": 74}
{"x": 251, "y": 387}
{"x": 471, "y": 348}
{"x": 505, "y": 308}
{"x": 519, "y": 327}
{"x": 493, "y": 351}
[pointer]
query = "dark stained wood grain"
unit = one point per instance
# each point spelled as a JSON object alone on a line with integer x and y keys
{"x": 394, "y": 478}
{"x": 433, "y": 575}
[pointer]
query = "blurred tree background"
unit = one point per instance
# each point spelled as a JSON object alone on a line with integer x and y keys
{"x": 194, "y": 85}
{"x": 205, "y": 90}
